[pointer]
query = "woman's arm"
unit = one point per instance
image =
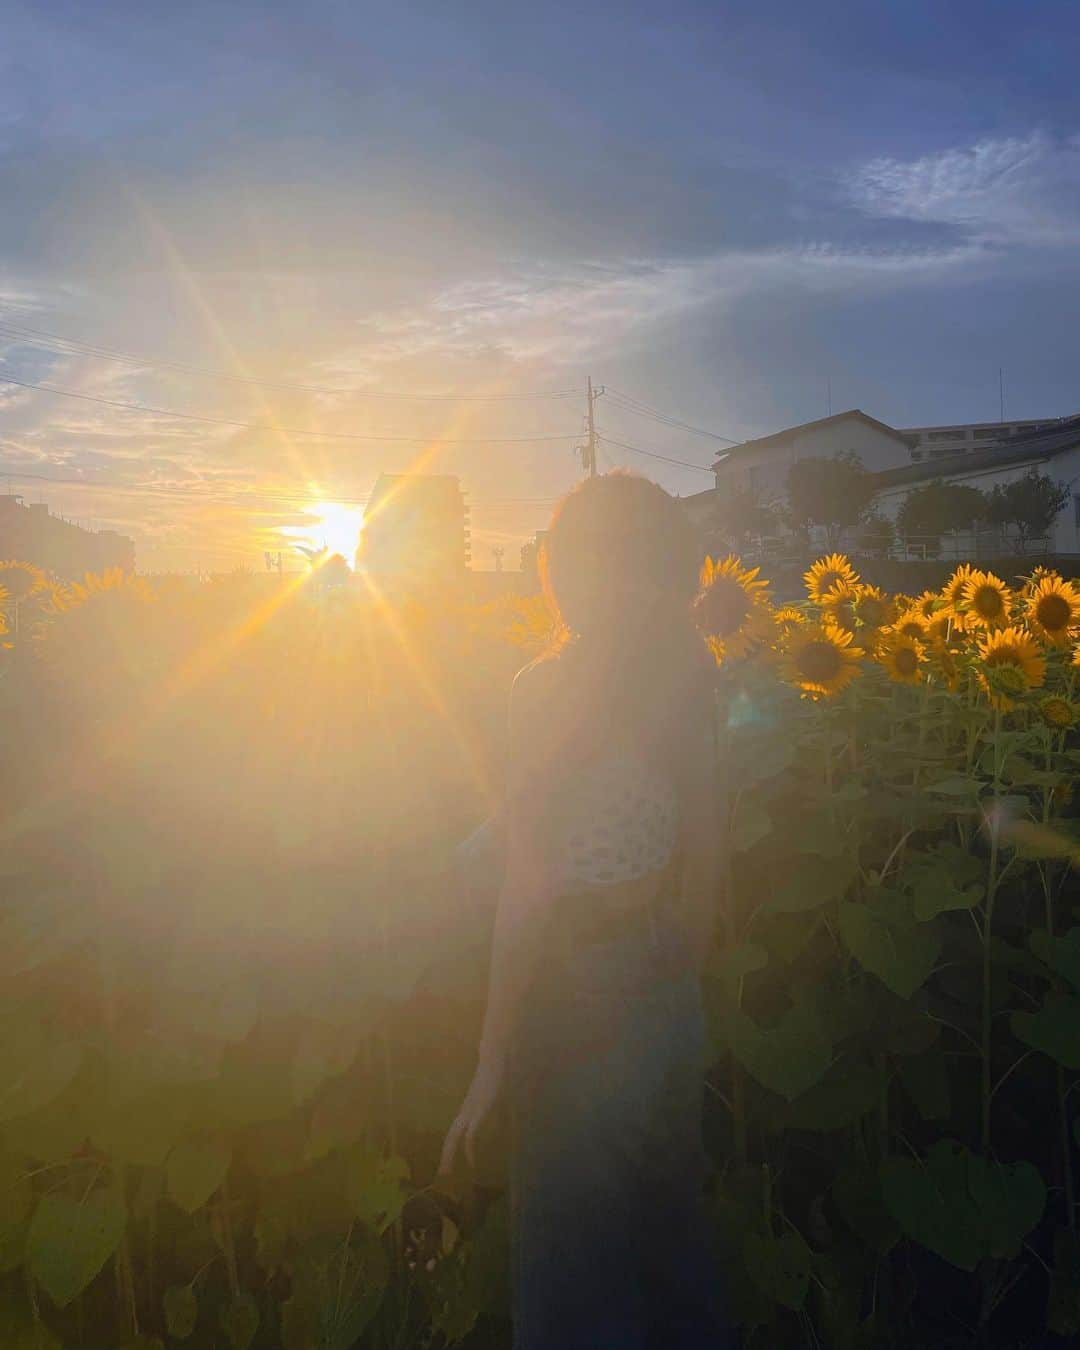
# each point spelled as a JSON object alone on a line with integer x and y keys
{"x": 520, "y": 915}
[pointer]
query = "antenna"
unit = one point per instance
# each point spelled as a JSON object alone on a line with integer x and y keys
{"x": 1001, "y": 392}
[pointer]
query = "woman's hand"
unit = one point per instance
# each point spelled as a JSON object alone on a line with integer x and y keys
{"x": 481, "y": 1098}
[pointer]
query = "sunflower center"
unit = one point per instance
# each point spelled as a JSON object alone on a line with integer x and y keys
{"x": 988, "y": 602}
{"x": 726, "y": 607}
{"x": 1054, "y": 613}
{"x": 828, "y": 580}
{"x": 819, "y": 661}
{"x": 907, "y": 663}
{"x": 871, "y": 612}
{"x": 912, "y": 629}
{"x": 843, "y": 612}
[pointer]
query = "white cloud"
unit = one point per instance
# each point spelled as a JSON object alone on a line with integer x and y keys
{"x": 562, "y": 315}
{"x": 1015, "y": 190}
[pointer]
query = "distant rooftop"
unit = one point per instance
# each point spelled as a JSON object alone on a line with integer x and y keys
{"x": 778, "y": 437}
{"x": 1035, "y": 446}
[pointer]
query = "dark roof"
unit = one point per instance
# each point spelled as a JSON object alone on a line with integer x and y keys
{"x": 1062, "y": 434}
{"x": 1026, "y": 447}
{"x": 778, "y": 436}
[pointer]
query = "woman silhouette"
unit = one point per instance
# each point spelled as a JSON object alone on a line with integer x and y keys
{"x": 593, "y": 1032}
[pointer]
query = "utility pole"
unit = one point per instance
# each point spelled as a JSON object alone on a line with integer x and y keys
{"x": 588, "y": 450}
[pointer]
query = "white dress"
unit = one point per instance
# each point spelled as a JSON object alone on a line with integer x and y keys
{"x": 616, "y": 822}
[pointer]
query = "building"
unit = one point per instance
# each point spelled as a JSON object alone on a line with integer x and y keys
{"x": 1052, "y": 449}
{"x": 415, "y": 528}
{"x": 980, "y": 454}
{"x": 760, "y": 466}
{"x": 29, "y": 533}
{"x": 955, "y": 439}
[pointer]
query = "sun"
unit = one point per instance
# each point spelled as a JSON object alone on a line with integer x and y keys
{"x": 333, "y": 526}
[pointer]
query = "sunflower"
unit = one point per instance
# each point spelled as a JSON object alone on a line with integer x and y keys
{"x": 912, "y": 624}
{"x": 1057, "y": 712}
{"x": 838, "y": 606}
{"x": 22, "y": 580}
{"x": 1011, "y": 664}
{"x": 903, "y": 657}
{"x": 1053, "y": 609}
{"x": 928, "y": 603}
{"x": 820, "y": 659}
{"x": 770, "y": 631}
{"x": 937, "y": 630}
{"x": 728, "y": 603}
{"x": 1039, "y": 573}
{"x": 952, "y": 595}
{"x": 826, "y": 573}
{"x": 943, "y": 664}
{"x": 873, "y": 611}
{"x": 986, "y": 601}
{"x": 786, "y": 618}
{"x": 873, "y": 608}
{"x": 112, "y": 580}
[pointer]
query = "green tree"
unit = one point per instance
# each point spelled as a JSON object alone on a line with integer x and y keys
{"x": 834, "y": 493}
{"x": 876, "y": 536}
{"x": 1031, "y": 503}
{"x": 739, "y": 513}
{"x": 939, "y": 508}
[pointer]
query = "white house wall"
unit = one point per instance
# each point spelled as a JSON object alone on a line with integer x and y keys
{"x": 1064, "y": 468}
{"x": 765, "y": 469}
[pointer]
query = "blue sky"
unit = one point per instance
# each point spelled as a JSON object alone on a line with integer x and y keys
{"x": 716, "y": 208}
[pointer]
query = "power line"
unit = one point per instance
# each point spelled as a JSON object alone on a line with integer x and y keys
{"x": 655, "y": 454}
{"x": 72, "y": 347}
{"x": 635, "y": 405}
{"x": 291, "y": 431}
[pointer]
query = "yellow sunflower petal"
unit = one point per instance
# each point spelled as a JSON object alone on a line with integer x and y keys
{"x": 827, "y": 572}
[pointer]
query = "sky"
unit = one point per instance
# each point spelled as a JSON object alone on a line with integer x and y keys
{"x": 399, "y": 236}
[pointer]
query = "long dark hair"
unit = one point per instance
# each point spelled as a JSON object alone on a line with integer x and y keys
{"x": 620, "y": 567}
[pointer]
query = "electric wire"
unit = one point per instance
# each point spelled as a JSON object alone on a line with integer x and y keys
{"x": 667, "y": 419}
{"x": 655, "y": 454}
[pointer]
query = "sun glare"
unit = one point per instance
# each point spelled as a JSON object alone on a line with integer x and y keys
{"x": 333, "y": 526}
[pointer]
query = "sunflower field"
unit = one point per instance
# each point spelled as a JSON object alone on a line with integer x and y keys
{"x": 897, "y": 990}
{"x": 241, "y": 986}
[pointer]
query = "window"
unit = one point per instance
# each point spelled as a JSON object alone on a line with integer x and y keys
{"x": 956, "y": 434}
{"x": 989, "y": 433}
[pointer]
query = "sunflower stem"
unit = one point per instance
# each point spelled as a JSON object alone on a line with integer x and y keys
{"x": 1063, "y": 1115}
{"x": 991, "y": 889}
